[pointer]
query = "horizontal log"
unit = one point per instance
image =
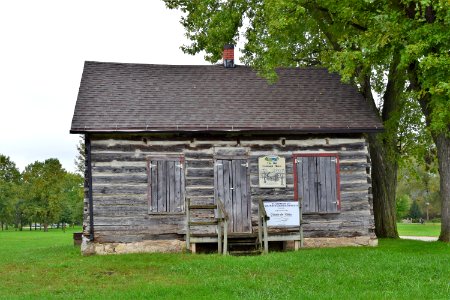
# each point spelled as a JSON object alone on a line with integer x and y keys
{"x": 198, "y": 155}
{"x": 131, "y": 148}
{"x": 199, "y": 164}
{"x": 354, "y": 186}
{"x": 230, "y": 151}
{"x": 200, "y": 181}
{"x": 200, "y": 172}
{"x": 197, "y": 191}
{"x": 147, "y": 220}
{"x": 99, "y": 212}
{"x": 129, "y": 208}
{"x": 353, "y": 155}
{"x": 311, "y": 148}
{"x": 349, "y": 196}
{"x": 120, "y": 202}
{"x": 119, "y": 170}
{"x": 123, "y": 179}
{"x": 119, "y": 189}
{"x": 131, "y": 237}
{"x": 349, "y": 177}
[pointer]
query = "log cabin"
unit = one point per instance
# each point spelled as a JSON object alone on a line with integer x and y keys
{"x": 180, "y": 157}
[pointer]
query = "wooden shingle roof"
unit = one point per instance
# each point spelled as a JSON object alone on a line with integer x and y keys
{"x": 118, "y": 97}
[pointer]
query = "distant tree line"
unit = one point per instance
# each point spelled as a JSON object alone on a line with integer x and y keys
{"x": 418, "y": 194}
{"x": 44, "y": 193}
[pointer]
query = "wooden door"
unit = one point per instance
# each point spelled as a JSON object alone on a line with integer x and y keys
{"x": 318, "y": 183}
{"x": 231, "y": 187}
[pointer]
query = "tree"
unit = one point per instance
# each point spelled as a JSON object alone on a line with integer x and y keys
{"x": 72, "y": 202}
{"x": 402, "y": 206}
{"x": 414, "y": 212}
{"x": 80, "y": 160}
{"x": 9, "y": 185}
{"x": 419, "y": 180}
{"x": 398, "y": 49}
{"x": 43, "y": 184}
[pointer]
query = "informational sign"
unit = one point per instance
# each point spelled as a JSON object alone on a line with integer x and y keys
{"x": 272, "y": 171}
{"x": 282, "y": 213}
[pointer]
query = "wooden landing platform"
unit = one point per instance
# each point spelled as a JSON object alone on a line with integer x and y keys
{"x": 212, "y": 238}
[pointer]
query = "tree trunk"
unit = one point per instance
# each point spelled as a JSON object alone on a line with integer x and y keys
{"x": 442, "y": 142}
{"x": 384, "y": 152}
{"x": 45, "y": 227}
{"x": 443, "y": 152}
{"x": 384, "y": 184}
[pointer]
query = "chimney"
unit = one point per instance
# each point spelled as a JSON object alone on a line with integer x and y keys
{"x": 228, "y": 56}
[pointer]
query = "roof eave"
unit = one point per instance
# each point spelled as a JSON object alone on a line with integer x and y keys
{"x": 373, "y": 129}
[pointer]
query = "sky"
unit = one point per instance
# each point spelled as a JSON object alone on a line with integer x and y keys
{"x": 43, "y": 46}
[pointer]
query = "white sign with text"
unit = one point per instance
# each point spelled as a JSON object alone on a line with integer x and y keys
{"x": 282, "y": 213}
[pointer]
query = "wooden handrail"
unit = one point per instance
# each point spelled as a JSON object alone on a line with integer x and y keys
{"x": 262, "y": 232}
{"x": 262, "y": 210}
{"x": 221, "y": 207}
{"x": 223, "y": 217}
{"x": 188, "y": 229}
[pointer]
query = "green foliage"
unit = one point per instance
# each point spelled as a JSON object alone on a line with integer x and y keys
{"x": 414, "y": 211}
{"x": 402, "y": 206}
{"x": 72, "y": 200}
{"x": 45, "y": 193}
{"x": 419, "y": 180}
{"x": 10, "y": 180}
{"x": 43, "y": 183}
{"x": 56, "y": 269}
{"x": 80, "y": 160}
{"x": 8, "y": 170}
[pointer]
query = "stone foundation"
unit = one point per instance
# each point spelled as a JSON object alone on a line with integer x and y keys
{"x": 340, "y": 242}
{"x": 174, "y": 246}
{"x": 335, "y": 242}
{"x": 160, "y": 246}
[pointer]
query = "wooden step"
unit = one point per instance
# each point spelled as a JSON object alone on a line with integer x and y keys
{"x": 234, "y": 235}
{"x": 202, "y": 206}
{"x": 242, "y": 245}
{"x": 245, "y": 252}
{"x": 203, "y": 223}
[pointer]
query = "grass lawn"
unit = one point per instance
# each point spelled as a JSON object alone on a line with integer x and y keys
{"x": 46, "y": 265}
{"x": 417, "y": 229}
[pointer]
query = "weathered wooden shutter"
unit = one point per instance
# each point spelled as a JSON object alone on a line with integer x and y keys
{"x": 231, "y": 185}
{"x": 317, "y": 183}
{"x": 166, "y": 186}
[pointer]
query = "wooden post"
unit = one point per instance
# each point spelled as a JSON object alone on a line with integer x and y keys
{"x": 225, "y": 238}
{"x": 219, "y": 230}
{"x": 188, "y": 219}
{"x": 266, "y": 240}
{"x": 300, "y": 221}
{"x": 260, "y": 234}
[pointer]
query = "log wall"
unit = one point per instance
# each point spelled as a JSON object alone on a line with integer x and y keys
{"x": 120, "y": 183}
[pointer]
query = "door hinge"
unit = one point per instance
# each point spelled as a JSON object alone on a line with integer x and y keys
{"x": 245, "y": 165}
{"x": 179, "y": 166}
{"x": 151, "y": 166}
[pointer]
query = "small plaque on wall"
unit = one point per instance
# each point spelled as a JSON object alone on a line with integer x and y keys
{"x": 272, "y": 171}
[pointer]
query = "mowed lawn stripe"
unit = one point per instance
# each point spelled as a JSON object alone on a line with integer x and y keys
{"x": 46, "y": 265}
